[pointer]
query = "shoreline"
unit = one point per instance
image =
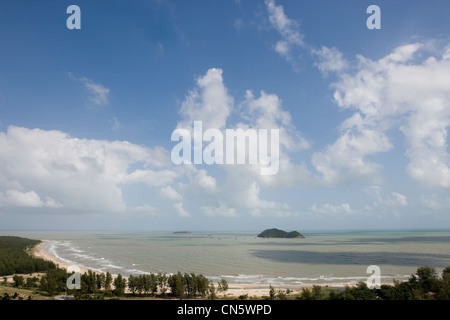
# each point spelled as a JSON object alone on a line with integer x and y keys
{"x": 39, "y": 252}
{"x": 234, "y": 290}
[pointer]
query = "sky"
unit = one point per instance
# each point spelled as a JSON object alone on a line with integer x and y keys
{"x": 87, "y": 114}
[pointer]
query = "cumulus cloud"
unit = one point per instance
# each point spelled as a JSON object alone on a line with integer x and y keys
{"x": 43, "y": 168}
{"x": 98, "y": 93}
{"x": 435, "y": 202}
{"x": 395, "y": 199}
{"x": 15, "y": 198}
{"x": 211, "y": 103}
{"x": 180, "y": 210}
{"x": 208, "y": 102}
{"x": 329, "y": 60}
{"x": 408, "y": 89}
{"x": 221, "y": 210}
{"x": 170, "y": 193}
{"x": 329, "y": 209}
{"x": 291, "y": 37}
{"x": 266, "y": 112}
{"x": 347, "y": 160}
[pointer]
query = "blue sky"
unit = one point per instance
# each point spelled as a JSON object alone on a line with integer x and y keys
{"x": 86, "y": 116}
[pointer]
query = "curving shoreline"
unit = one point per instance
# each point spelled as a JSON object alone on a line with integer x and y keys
{"x": 234, "y": 290}
{"x": 40, "y": 252}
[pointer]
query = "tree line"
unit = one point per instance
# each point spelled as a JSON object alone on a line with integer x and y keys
{"x": 15, "y": 259}
{"x": 178, "y": 285}
{"x": 425, "y": 284}
{"x": 104, "y": 285}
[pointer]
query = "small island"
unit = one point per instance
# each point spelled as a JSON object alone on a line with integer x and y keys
{"x": 276, "y": 233}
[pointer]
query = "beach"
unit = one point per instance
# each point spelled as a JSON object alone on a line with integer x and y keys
{"x": 250, "y": 265}
{"x": 234, "y": 290}
{"x": 40, "y": 252}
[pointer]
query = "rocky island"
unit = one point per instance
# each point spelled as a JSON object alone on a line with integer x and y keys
{"x": 276, "y": 233}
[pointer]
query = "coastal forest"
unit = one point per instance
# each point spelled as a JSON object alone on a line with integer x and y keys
{"x": 15, "y": 259}
{"x": 425, "y": 284}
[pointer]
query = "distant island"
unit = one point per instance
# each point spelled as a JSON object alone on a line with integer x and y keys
{"x": 276, "y": 233}
{"x": 182, "y": 232}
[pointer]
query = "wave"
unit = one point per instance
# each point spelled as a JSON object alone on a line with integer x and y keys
{"x": 258, "y": 279}
{"x": 67, "y": 252}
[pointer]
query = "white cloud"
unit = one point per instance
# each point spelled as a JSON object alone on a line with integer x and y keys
{"x": 238, "y": 24}
{"x": 243, "y": 182}
{"x": 180, "y": 210}
{"x": 395, "y": 199}
{"x": 219, "y": 211}
{"x": 287, "y": 28}
{"x": 15, "y": 198}
{"x": 435, "y": 202}
{"x": 98, "y": 94}
{"x": 143, "y": 210}
{"x": 409, "y": 89}
{"x": 209, "y": 102}
{"x": 205, "y": 181}
{"x": 170, "y": 193}
{"x": 346, "y": 160}
{"x": 266, "y": 112}
{"x": 407, "y": 86}
{"x": 253, "y": 201}
{"x": 150, "y": 177}
{"x": 74, "y": 174}
{"x": 115, "y": 124}
{"x": 329, "y": 60}
{"x": 329, "y": 209}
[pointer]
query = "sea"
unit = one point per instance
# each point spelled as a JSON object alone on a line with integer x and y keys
{"x": 341, "y": 257}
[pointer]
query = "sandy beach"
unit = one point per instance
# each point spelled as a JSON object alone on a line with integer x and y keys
{"x": 40, "y": 252}
{"x": 234, "y": 290}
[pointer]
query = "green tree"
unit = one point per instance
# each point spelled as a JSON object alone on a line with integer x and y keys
{"x": 212, "y": 291}
{"x": 386, "y": 292}
{"x": 177, "y": 285}
{"x": 31, "y": 282}
{"x": 190, "y": 284}
{"x": 403, "y": 290}
{"x": 222, "y": 286}
{"x": 153, "y": 284}
{"x": 120, "y": 284}
{"x": 108, "y": 281}
{"x": 446, "y": 274}
{"x": 88, "y": 282}
{"x": 14, "y": 257}
{"x": 140, "y": 284}
{"x": 161, "y": 280}
{"x": 427, "y": 278}
{"x": 18, "y": 281}
{"x": 100, "y": 281}
{"x": 360, "y": 292}
{"x": 133, "y": 283}
{"x": 444, "y": 285}
{"x": 314, "y": 293}
{"x": 272, "y": 293}
{"x": 54, "y": 281}
{"x": 202, "y": 285}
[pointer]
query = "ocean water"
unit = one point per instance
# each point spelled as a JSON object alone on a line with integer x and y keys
{"x": 327, "y": 257}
